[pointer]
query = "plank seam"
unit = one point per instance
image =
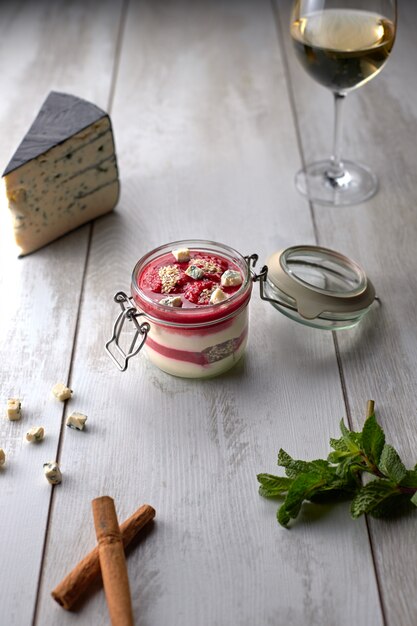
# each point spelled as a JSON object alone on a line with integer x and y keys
{"x": 367, "y": 522}
{"x": 118, "y": 54}
{"x": 342, "y": 380}
{"x": 115, "y": 71}
{"x": 61, "y": 432}
{"x": 291, "y": 96}
{"x": 377, "y": 573}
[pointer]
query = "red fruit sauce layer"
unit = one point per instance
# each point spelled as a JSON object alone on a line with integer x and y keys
{"x": 164, "y": 277}
{"x": 208, "y": 356}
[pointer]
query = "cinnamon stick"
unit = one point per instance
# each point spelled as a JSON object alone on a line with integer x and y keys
{"x": 73, "y": 586}
{"x": 112, "y": 562}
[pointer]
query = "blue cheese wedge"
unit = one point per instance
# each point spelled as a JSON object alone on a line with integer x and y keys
{"x": 171, "y": 301}
{"x": 217, "y": 296}
{"x": 14, "y": 409}
{"x": 61, "y": 392}
{"x": 182, "y": 255}
{"x": 76, "y": 421}
{"x": 63, "y": 174}
{"x": 35, "y": 434}
{"x": 194, "y": 272}
{"x": 52, "y": 473}
{"x": 2, "y": 457}
{"x": 231, "y": 278}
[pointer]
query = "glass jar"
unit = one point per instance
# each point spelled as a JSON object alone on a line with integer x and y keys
{"x": 317, "y": 287}
{"x": 193, "y": 341}
{"x": 312, "y": 285}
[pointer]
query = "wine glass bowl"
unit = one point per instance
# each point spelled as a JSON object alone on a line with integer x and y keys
{"x": 342, "y": 44}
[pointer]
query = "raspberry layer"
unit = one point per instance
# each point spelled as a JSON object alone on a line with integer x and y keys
{"x": 186, "y": 369}
{"x": 208, "y": 355}
{"x": 164, "y": 276}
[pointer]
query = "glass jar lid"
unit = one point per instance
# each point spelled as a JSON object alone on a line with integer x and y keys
{"x": 317, "y": 287}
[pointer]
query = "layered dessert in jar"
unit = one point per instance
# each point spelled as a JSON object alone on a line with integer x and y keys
{"x": 194, "y": 294}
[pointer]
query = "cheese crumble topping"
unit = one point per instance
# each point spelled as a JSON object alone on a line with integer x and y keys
{"x": 195, "y": 272}
{"x": 231, "y": 278}
{"x": 217, "y": 296}
{"x": 171, "y": 301}
{"x": 182, "y": 255}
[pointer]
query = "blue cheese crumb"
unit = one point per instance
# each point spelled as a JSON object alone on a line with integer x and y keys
{"x": 231, "y": 278}
{"x": 14, "y": 407}
{"x": 35, "y": 434}
{"x": 182, "y": 255}
{"x": 61, "y": 392}
{"x": 76, "y": 421}
{"x": 52, "y": 473}
{"x": 217, "y": 296}
{"x": 171, "y": 301}
{"x": 195, "y": 272}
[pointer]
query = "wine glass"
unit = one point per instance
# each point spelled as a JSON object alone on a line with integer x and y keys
{"x": 342, "y": 44}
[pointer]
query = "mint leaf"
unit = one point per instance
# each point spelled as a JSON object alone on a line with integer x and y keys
{"x": 302, "y": 488}
{"x": 391, "y": 465}
{"x": 371, "y": 496}
{"x": 373, "y": 439}
{"x": 331, "y": 494}
{"x": 338, "y": 444}
{"x": 410, "y": 479}
{"x": 350, "y": 469}
{"x": 272, "y": 486}
{"x": 282, "y": 516}
{"x": 393, "y": 491}
{"x": 339, "y": 456}
{"x": 344, "y": 430}
{"x": 294, "y": 467}
{"x": 351, "y": 439}
{"x": 393, "y": 506}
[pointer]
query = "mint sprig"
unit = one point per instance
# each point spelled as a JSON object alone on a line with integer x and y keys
{"x": 390, "y": 487}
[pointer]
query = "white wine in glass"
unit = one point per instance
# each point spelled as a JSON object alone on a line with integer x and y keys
{"x": 342, "y": 44}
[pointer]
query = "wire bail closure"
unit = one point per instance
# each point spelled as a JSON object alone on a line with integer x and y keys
{"x": 260, "y": 278}
{"x": 130, "y": 313}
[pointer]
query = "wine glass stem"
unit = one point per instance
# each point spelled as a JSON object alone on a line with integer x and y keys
{"x": 336, "y": 169}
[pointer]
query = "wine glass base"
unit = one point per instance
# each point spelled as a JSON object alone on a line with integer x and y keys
{"x": 356, "y": 185}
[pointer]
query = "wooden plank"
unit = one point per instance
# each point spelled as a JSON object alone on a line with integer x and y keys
{"x": 43, "y": 46}
{"x": 379, "y": 359}
{"x": 206, "y": 147}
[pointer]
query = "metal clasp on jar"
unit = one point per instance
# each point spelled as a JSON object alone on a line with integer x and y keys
{"x": 251, "y": 260}
{"x": 130, "y": 313}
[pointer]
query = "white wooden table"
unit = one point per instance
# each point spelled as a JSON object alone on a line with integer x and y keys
{"x": 212, "y": 117}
